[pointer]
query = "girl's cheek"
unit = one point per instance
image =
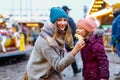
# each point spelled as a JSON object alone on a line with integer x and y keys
{"x": 78, "y": 31}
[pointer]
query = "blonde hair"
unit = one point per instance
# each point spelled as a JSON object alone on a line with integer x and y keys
{"x": 68, "y": 36}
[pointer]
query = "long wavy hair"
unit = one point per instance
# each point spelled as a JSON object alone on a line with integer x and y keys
{"x": 67, "y": 37}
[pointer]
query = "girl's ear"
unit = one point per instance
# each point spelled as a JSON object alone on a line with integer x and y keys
{"x": 88, "y": 34}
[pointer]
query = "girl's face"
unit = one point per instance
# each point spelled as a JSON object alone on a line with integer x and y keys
{"x": 62, "y": 23}
{"x": 81, "y": 31}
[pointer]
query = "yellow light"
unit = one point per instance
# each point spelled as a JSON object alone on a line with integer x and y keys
{"x": 1, "y": 21}
{"x": 93, "y": 9}
{"x": 110, "y": 15}
{"x": 92, "y": 12}
{"x": 102, "y": 12}
{"x": 98, "y": 2}
{"x": 97, "y": 6}
{"x": 32, "y": 24}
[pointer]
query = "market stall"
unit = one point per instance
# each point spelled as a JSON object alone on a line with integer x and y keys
{"x": 32, "y": 30}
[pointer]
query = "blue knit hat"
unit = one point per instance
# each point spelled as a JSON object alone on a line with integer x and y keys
{"x": 57, "y": 12}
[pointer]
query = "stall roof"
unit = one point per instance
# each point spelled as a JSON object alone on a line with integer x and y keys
{"x": 102, "y": 9}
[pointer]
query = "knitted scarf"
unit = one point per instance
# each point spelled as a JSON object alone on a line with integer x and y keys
{"x": 48, "y": 32}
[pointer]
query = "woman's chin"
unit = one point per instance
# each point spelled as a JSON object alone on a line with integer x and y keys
{"x": 63, "y": 29}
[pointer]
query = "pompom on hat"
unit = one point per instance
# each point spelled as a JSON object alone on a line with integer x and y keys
{"x": 89, "y": 24}
{"x": 57, "y": 12}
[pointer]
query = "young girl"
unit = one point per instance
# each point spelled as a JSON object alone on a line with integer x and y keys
{"x": 95, "y": 63}
{"x": 46, "y": 62}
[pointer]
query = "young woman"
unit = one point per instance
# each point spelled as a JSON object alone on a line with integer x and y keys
{"x": 95, "y": 63}
{"x": 46, "y": 61}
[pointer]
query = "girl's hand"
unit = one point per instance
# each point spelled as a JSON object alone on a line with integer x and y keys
{"x": 79, "y": 45}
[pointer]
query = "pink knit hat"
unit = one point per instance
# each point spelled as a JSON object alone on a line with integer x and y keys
{"x": 88, "y": 24}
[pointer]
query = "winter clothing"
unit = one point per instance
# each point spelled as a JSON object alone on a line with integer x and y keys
{"x": 65, "y": 8}
{"x": 72, "y": 25}
{"x": 70, "y": 22}
{"x": 73, "y": 29}
{"x": 88, "y": 24}
{"x": 57, "y": 12}
{"x": 45, "y": 62}
{"x": 95, "y": 62}
{"x": 116, "y": 31}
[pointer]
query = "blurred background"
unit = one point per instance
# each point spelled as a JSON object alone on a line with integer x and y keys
{"x": 28, "y": 8}
{"x": 22, "y": 21}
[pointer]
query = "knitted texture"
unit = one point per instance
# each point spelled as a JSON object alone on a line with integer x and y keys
{"x": 88, "y": 24}
{"x": 57, "y": 12}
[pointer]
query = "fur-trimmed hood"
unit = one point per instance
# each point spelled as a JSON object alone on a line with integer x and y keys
{"x": 98, "y": 33}
{"x": 97, "y": 36}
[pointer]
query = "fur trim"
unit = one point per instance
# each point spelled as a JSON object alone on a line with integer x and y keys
{"x": 98, "y": 32}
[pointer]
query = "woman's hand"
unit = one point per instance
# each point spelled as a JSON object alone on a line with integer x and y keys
{"x": 79, "y": 45}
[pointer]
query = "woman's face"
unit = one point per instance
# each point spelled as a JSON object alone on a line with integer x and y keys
{"x": 81, "y": 31}
{"x": 62, "y": 23}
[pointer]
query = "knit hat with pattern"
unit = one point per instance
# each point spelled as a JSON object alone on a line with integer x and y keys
{"x": 57, "y": 12}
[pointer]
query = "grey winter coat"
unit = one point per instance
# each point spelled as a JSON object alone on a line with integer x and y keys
{"x": 46, "y": 62}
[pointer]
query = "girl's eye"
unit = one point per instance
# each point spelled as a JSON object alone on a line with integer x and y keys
{"x": 78, "y": 28}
